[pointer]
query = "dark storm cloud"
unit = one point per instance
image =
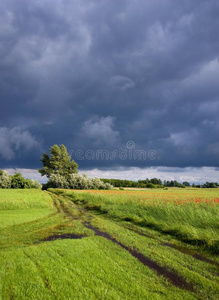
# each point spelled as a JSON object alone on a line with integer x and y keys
{"x": 95, "y": 75}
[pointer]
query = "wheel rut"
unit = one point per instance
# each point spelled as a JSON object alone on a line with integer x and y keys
{"x": 174, "y": 278}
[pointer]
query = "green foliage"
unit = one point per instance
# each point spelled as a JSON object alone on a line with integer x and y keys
{"x": 79, "y": 182}
{"x": 120, "y": 182}
{"x": 58, "y": 181}
{"x": 155, "y": 183}
{"x": 151, "y": 185}
{"x": 210, "y": 185}
{"x": 173, "y": 183}
{"x": 186, "y": 183}
{"x": 17, "y": 181}
{"x": 35, "y": 184}
{"x": 148, "y": 183}
{"x": 59, "y": 162}
{"x": 5, "y": 180}
{"x": 76, "y": 181}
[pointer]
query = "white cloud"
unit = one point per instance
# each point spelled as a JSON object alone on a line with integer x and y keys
{"x": 13, "y": 139}
{"x": 190, "y": 174}
{"x": 121, "y": 82}
{"x": 28, "y": 173}
{"x": 208, "y": 74}
{"x": 101, "y": 130}
{"x": 185, "y": 138}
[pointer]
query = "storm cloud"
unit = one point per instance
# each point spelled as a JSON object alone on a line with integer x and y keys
{"x": 94, "y": 75}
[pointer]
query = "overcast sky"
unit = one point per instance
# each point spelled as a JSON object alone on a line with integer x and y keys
{"x": 120, "y": 76}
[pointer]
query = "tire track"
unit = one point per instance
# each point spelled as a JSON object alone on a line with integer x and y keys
{"x": 174, "y": 278}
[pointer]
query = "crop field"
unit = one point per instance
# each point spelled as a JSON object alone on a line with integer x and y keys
{"x": 68, "y": 244}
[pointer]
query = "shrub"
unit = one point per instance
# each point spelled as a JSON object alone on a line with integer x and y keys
{"x": 97, "y": 184}
{"x": 5, "y": 180}
{"x": 75, "y": 181}
{"x": 108, "y": 186}
{"x": 80, "y": 182}
{"x": 19, "y": 182}
{"x": 150, "y": 186}
{"x": 35, "y": 184}
{"x": 58, "y": 181}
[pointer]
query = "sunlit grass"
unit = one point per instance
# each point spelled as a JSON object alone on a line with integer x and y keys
{"x": 19, "y": 206}
{"x": 92, "y": 267}
{"x": 190, "y": 215}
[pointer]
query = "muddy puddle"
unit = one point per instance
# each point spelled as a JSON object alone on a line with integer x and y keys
{"x": 63, "y": 236}
{"x": 191, "y": 253}
{"x": 179, "y": 248}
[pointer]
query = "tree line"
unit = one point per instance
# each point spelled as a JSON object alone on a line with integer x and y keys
{"x": 156, "y": 183}
{"x": 62, "y": 172}
{"x": 17, "y": 181}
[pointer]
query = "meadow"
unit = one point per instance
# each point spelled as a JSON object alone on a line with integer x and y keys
{"x": 191, "y": 215}
{"x": 66, "y": 244}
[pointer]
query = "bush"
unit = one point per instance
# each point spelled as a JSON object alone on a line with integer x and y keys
{"x": 79, "y": 182}
{"x": 150, "y": 185}
{"x": 35, "y": 184}
{"x": 75, "y": 181}
{"x": 19, "y": 182}
{"x": 108, "y": 186}
{"x": 58, "y": 181}
{"x": 97, "y": 184}
{"x": 5, "y": 180}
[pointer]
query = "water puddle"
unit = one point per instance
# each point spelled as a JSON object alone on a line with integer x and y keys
{"x": 194, "y": 255}
{"x": 63, "y": 236}
{"x": 173, "y": 277}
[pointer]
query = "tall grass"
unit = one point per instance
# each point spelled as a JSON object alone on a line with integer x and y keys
{"x": 14, "y": 199}
{"x": 191, "y": 216}
{"x": 19, "y": 206}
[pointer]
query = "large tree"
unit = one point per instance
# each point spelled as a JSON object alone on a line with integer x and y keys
{"x": 59, "y": 162}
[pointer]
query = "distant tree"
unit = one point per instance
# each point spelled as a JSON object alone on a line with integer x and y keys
{"x": 210, "y": 185}
{"x": 156, "y": 181}
{"x": 173, "y": 183}
{"x": 5, "y": 180}
{"x": 58, "y": 163}
{"x": 150, "y": 185}
{"x": 147, "y": 181}
{"x": 35, "y": 184}
{"x": 19, "y": 182}
{"x": 186, "y": 183}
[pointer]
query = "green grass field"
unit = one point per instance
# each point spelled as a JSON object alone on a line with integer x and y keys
{"x": 189, "y": 215}
{"x": 48, "y": 249}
